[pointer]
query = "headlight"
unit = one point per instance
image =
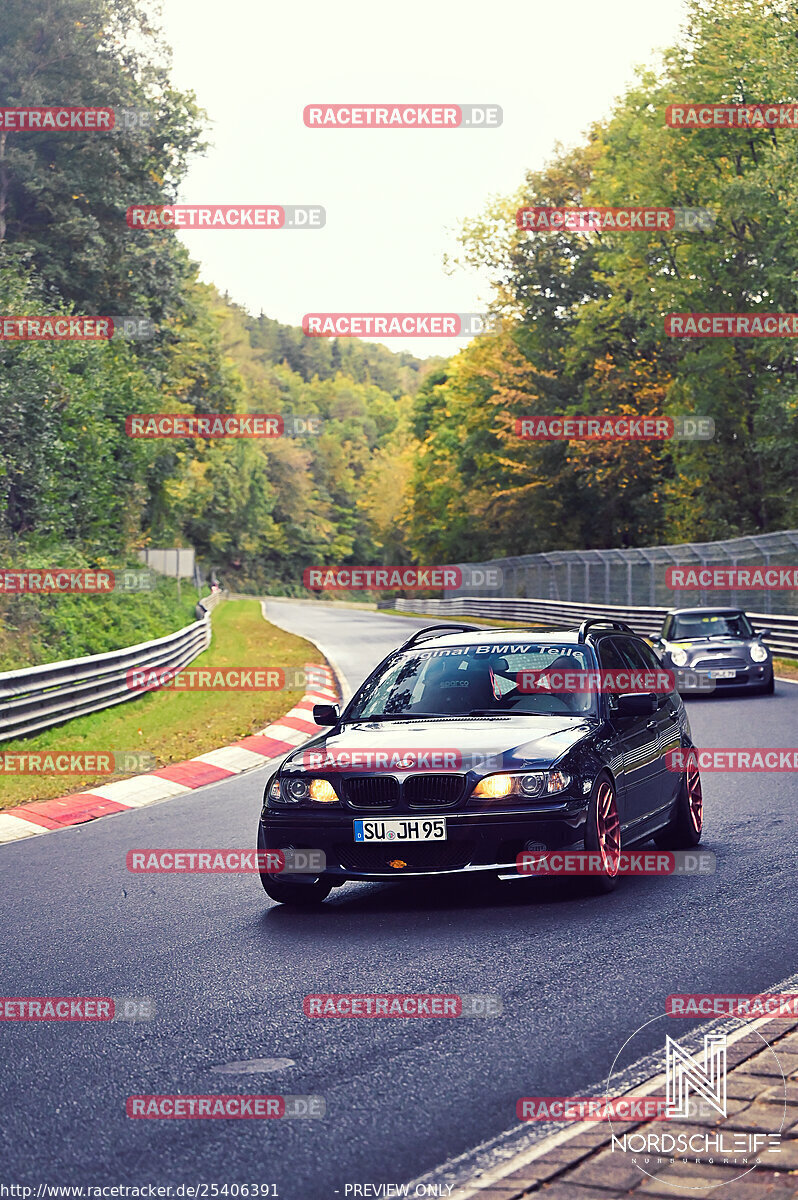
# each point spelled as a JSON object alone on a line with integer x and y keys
{"x": 759, "y": 652}
{"x": 678, "y": 656}
{"x": 297, "y": 790}
{"x": 557, "y": 782}
{"x": 527, "y": 786}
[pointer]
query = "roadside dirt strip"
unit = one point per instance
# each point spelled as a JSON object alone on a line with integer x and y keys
{"x": 297, "y": 726}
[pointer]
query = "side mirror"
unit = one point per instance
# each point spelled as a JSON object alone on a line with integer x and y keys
{"x": 637, "y": 704}
{"x": 764, "y": 633}
{"x": 326, "y": 714}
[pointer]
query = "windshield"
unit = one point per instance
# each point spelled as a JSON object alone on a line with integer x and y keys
{"x": 734, "y": 625}
{"x": 474, "y": 680}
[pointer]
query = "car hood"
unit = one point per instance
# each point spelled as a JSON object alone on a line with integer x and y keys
{"x": 483, "y": 743}
{"x": 708, "y": 645}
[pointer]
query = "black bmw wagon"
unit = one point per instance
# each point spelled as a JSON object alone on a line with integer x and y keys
{"x": 468, "y": 747}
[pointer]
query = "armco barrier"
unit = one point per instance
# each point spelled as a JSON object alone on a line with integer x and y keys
{"x": 648, "y": 621}
{"x": 37, "y": 697}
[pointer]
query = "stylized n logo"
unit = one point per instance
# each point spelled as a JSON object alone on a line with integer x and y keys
{"x": 685, "y": 1075}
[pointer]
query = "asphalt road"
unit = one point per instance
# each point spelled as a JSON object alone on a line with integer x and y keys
{"x": 228, "y": 969}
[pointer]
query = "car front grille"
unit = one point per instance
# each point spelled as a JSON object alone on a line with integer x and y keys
{"x": 372, "y": 791}
{"x": 417, "y": 791}
{"x": 432, "y": 791}
{"x": 419, "y": 856}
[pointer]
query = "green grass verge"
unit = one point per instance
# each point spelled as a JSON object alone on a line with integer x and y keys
{"x": 175, "y": 725}
{"x": 36, "y": 629}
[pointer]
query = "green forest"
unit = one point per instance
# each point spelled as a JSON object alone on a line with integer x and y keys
{"x": 417, "y": 460}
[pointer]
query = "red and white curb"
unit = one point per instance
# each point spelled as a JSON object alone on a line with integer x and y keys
{"x": 297, "y": 726}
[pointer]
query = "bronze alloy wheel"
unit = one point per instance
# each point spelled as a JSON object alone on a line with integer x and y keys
{"x": 695, "y": 799}
{"x": 608, "y": 828}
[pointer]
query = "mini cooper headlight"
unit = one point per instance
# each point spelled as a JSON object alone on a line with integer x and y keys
{"x": 678, "y": 656}
{"x": 759, "y": 652}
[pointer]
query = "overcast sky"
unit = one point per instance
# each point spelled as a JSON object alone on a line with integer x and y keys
{"x": 394, "y": 198}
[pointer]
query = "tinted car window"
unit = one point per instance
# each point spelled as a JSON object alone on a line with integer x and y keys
{"x": 610, "y": 656}
{"x": 640, "y": 655}
{"x": 634, "y": 653}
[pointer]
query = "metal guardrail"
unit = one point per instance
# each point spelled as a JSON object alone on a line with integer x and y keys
{"x": 647, "y": 621}
{"x": 638, "y": 576}
{"x": 37, "y": 697}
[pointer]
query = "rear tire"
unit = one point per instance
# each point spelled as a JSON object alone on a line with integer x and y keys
{"x": 603, "y": 834}
{"x": 687, "y": 822}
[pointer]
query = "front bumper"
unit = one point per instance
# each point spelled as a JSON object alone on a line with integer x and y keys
{"x": 756, "y": 675}
{"x": 475, "y": 841}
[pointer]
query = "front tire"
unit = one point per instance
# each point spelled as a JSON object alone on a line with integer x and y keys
{"x": 687, "y": 822}
{"x": 285, "y": 891}
{"x": 603, "y": 834}
{"x": 299, "y": 895}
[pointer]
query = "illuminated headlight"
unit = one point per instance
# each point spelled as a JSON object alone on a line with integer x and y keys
{"x": 678, "y": 656}
{"x": 297, "y": 790}
{"x": 527, "y": 786}
{"x": 759, "y": 652}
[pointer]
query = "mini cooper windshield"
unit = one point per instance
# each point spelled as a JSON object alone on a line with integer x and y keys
{"x": 466, "y": 681}
{"x": 692, "y": 626}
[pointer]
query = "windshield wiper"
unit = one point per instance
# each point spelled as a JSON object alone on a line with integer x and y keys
{"x": 408, "y": 716}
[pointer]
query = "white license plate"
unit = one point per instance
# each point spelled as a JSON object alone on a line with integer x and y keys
{"x": 422, "y": 829}
{"x": 721, "y": 674}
